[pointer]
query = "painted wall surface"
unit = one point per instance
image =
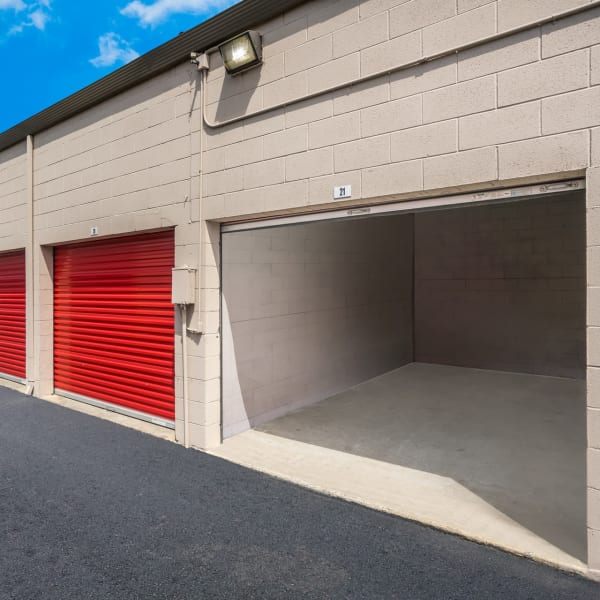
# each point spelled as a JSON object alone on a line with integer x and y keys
{"x": 524, "y": 106}
{"x": 13, "y": 197}
{"x": 503, "y": 287}
{"x": 311, "y": 310}
{"x": 120, "y": 164}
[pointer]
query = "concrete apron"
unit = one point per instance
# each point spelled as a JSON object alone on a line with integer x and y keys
{"x": 492, "y": 456}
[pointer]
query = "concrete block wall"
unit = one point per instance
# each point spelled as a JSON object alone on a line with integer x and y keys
{"x": 13, "y": 197}
{"x": 519, "y": 107}
{"x": 126, "y": 166}
{"x": 503, "y": 287}
{"x": 311, "y": 310}
{"x": 119, "y": 165}
{"x": 593, "y": 361}
{"x": 205, "y": 350}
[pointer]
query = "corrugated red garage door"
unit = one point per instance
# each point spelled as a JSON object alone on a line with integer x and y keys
{"x": 12, "y": 314}
{"x": 114, "y": 322}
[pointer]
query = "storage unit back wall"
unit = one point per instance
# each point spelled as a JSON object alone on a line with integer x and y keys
{"x": 503, "y": 287}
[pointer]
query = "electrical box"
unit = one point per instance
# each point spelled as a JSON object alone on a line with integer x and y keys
{"x": 183, "y": 285}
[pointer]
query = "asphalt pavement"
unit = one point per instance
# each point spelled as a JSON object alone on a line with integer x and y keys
{"x": 93, "y": 510}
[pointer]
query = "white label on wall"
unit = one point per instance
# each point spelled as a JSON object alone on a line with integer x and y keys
{"x": 365, "y": 210}
{"x": 93, "y": 231}
{"x": 341, "y": 192}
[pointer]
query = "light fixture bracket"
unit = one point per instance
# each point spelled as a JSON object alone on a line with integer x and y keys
{"x": 200, "y": 60}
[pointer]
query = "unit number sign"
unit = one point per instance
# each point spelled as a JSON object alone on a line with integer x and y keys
{"x": 341, "y": 192}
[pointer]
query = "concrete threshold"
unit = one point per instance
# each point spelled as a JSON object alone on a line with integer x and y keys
{"x": 450, "y": 447}
{"x": 114, "y": 417}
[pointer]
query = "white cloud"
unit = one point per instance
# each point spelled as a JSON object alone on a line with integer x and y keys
{"x": 160, "y": 10}
{"x": 12, "y": 4}
{"x": 37, "y": 17}
{"x": 113, "y": 49}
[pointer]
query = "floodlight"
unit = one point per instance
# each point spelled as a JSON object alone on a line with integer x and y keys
{"x": 242, "y": 52}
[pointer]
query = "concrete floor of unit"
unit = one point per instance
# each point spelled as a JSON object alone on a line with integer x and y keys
{"x": 494, "y": 456}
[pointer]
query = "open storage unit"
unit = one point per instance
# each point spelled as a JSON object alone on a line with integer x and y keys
{"x": 446, "y": 339}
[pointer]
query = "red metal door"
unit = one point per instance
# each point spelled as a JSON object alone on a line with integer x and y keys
{"x": 12, "y": 314}
{"x": 114, "y": 322}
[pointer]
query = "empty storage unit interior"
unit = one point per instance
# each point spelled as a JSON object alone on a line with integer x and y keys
{"x": 448, "y": 341}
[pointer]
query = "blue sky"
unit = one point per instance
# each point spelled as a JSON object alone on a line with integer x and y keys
{"x": 52, "y": 48}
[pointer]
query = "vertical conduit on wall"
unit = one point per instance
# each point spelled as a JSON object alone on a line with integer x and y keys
{"x": 198, "y": 328}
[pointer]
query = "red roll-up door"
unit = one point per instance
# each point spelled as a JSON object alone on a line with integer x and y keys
{"x": 12, "y": 314}
{"x": 114, "y": 322}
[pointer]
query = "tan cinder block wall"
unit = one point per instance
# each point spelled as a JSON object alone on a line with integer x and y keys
{"x": 129, "y": 165}
{"x": 311, "y": 310}
{"x": 503, "y": 287}
{"x": 593, "y": 360}
{"x": 123, "y": 166}
{"x": 13, "y": 198}
{"x": 519, "y": 109}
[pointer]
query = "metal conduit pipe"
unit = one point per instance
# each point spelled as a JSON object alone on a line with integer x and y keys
{"x": 184, "y": 374}
{"x": 202, "y": 64}
{"x": 198, "y": 329}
